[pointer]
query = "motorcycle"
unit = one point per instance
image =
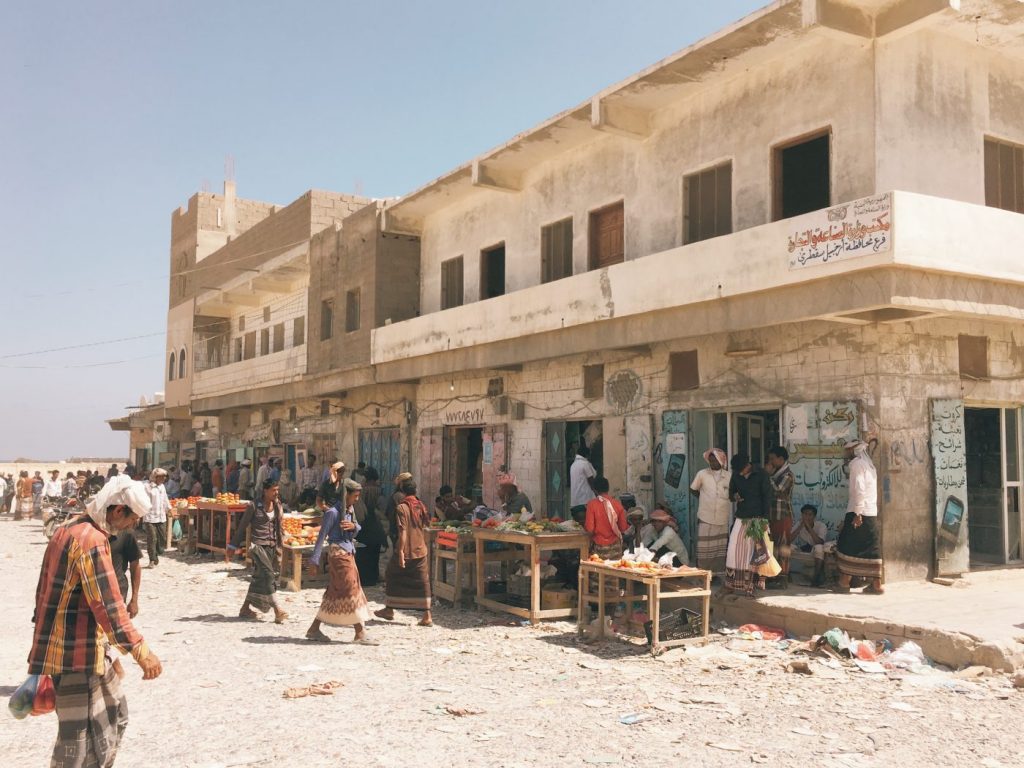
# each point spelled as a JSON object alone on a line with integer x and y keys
{"x": 57, "y": 511}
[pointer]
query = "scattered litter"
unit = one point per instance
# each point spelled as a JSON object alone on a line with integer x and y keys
{"x": 759, "y": 632}
{"x": 800, "y": 667}
{"x": 439, "y": 689}
{"x": 593, "y": 665}
{"x": 633, "y": 718}
{"x": 724, "y": 746}
{"x": 316, "y": 689}
{"x": 902, "y": 706}
{"x": 801, "y": 731}
{"x": 871, "y": 667}
{"x": 462, "y": 711}
{"x": 602, "y": 760}
{"x": 488, "y": 736}
{"x": 595, "y": 703}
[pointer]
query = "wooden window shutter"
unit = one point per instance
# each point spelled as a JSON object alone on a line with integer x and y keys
{"x": 683, "y": 371}
{"x": 607, "y": 236}
{"x": 973, "y": 352}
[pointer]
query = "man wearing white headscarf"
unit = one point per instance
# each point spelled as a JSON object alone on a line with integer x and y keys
{"x": 80, "y": 619}
{"x": 858, "y": 552}
{"x": 711, "y": 486}
{"x": 156, "y": 518}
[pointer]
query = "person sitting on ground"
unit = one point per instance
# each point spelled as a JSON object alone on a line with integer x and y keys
{"x": 808, "y": 536}
{"x": 605, "y": 522}
{"x": 450, "y": 505}
{"x": 661, "y": 536}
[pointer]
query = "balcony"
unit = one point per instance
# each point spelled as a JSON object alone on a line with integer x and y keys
{"x": 245, "y": 377}
{"x": 890, "y": 257}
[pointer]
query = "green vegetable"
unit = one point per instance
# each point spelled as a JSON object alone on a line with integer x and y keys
{"x": 757, "y": 528}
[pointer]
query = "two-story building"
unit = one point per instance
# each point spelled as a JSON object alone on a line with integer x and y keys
{"x": 801, "y": 229}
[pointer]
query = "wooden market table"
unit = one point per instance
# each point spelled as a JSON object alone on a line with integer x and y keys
{"x": 453, "y": 571}
{"x": 659, "y": 586}
{"x": 214, "y": 523}
{"x": 531, "y": 546}
{"x": 293, "y": 561}
{"x": 189, "y": 542}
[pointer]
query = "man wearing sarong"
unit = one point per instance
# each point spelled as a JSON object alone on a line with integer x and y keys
{"x": 344, "y": 604}
{"x": 264, "y": 518}
{"x": 751, "y": 489}
{"x": 780, "y": 520}
{"x": 80, "y": 618}
{"x": 711, "y": 486}
{"x": 857, "y": 549}
{"x": 407, "y": 578}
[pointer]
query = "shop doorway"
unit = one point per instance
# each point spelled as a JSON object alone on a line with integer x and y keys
{"x": 464, "y": 470}
{"x": 752, "y": 432}
{"x": 992, "y": 443}
{"x": 561, "y": 441}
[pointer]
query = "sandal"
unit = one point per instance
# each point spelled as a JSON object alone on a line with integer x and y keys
{"x": 317, "y": 637}
{"x": 872, "y": 591}
{"x": 249, "y": 614}
{"x": 383, "y": 616}
{"x": 365, "y": 641}
{"x": 841, "y": 590}
{"x": 280, "y": 618}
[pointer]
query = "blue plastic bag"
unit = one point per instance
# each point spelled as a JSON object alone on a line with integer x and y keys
{"x": 22, "y": 699}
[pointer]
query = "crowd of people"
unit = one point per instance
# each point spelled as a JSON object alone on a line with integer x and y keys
{"x": 90, "y": 578}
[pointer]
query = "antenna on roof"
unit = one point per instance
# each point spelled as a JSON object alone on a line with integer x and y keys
{"x": 229, "y": 168}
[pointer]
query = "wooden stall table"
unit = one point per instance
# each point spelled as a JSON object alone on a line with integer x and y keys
{"x": 188, "y": 543}
{"x": 658, "y": 585}
{"x": 293, "y": 563}
{"x": 214, "y": 523}
{"x": 451, "y": 566}
{"x": 531, "y": 544}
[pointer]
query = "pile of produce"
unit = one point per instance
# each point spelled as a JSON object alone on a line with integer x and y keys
{"x": 228, "y": 498}
{"x": 299, "y": 531}
{"x": 639, "y": 566}
{"x": 539, "y": 526}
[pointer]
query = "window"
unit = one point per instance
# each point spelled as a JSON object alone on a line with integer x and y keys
{"x": 352, "y": 311}
{"x": 279, "y": 337}
{"x": 265, "y": 341}
{"x": 212, "y": 353}
{"x": 293, "y": 413}
{"x": 250, "y": 345}
{"x": 593, "y": 381}
{"x": 707, "y": 204}
{"x": 181, "y": 364}
{"x": 241, "y": 323}
{"x": 451, "y": 283}
{"x": 802, "y": 177}
{"x": 326, "y": 319}
{"x": 973, "y": 357}
{"x": 171, "y": 368}
{"x": 607, "y": 236}
{"x": 298, "y": 331}
{"x": 238, "y": 350}
{"x": 266, "y": 314}
{"x": 1004, "y": 176}
{"x": 492, "y": 272}
{"x": 682, "y": 371}
{"x": 325, "y": 407}
{"x": 556, "y": 251}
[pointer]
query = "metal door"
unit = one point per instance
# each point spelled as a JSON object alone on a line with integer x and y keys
{"x": 555, "y": 475}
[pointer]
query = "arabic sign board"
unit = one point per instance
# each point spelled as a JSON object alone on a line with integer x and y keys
{"x": 860, "y": 228}
{"x": 814, "y": 434}
{"x": 949, "y": 459}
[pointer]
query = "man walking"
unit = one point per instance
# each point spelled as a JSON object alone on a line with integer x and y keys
{"x": 245, "y": 483}
{"x": 156, "y": 517}
{"x": 80, "y": 618}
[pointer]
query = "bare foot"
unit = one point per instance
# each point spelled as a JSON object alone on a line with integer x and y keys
{"x": 317, "y": 637}
{"x": 247, "y": 613}
{"x": 385, "y": 613}
{"x": 280, "y": 617}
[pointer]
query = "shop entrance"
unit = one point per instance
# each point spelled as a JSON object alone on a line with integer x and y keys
{"x": 751, "y": 432}
{"x": 561, "y": 441}
{"x": 992, "y": 442}
{"x": 464, "y": 468}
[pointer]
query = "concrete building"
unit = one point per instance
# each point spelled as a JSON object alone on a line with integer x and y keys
{"x": 799, "y": 230}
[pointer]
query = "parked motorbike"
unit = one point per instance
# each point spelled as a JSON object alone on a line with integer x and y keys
{"x": 57, "y": 511}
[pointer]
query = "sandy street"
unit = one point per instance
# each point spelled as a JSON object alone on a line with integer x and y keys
{"x": 530, "y": 696}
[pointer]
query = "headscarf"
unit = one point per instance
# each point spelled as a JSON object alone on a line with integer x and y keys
{"x": 719, "y": 454}
{"x": 158, "y": 472}
{"x": 860, "y": 451}
{"x": 351, "y": 486}
{"x": 665, "y": 517}
{"x": 507, "y": 478}
{"x": 401, "y": 477}
{"x": 335, "y": 468}
{"x": 118, "y": 490}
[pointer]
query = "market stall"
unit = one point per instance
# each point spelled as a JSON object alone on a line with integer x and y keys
{"x": 186, "y": 517}
{"x": 453, "y": 560}
{"x": 657, "y": 585}
{"x": 526, "y": 542}
{"x": 300, "y": 532}
{"x": 215, "y": 521}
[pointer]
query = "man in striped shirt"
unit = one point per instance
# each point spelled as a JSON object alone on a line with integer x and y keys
{"x": 80, "y": 618}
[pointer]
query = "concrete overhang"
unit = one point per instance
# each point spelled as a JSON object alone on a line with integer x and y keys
{"x": 942, "y": 257}
{"x": 629, "y": 108}
{"x": 285, "y": 272}
{"x": 121, "y": 424}
{"x": 323, "y": 385}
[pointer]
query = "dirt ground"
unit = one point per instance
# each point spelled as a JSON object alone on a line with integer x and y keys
{"x": 477, "y": 690}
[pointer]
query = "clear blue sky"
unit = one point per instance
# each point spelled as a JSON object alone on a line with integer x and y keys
{"x": 114, "y": 114}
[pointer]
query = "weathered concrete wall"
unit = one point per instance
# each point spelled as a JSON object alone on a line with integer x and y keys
{"x": 179, "y": 336}
{"x": 739, "y": 121}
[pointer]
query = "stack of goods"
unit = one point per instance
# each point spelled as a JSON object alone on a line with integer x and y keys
{"x": 299, "y": 530}
{"x": 231, "y": 499}
{"x": 641, "y": 566}
{"x": 535, "y": 527}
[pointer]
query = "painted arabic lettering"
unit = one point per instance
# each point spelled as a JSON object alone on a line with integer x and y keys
{"x": 819, "y": 241}
{"x": 949, "y": 461}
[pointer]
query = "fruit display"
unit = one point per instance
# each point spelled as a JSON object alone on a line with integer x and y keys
{"x": 535, "y": 527}
{"x": 299, "y": 530}
{"x": 639, "y": 566}
{"x": 227, "y": 498}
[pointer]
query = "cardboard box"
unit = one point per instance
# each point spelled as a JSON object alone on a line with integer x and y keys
{"x": 551, "y": 599}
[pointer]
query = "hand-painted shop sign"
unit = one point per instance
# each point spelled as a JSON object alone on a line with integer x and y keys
{"x": 464, "y": 416}
{"x": 846, "y": 231}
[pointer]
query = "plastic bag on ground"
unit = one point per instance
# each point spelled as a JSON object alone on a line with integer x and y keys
{"x": 759, "y": 632}
{"x": 907, "y": 656}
